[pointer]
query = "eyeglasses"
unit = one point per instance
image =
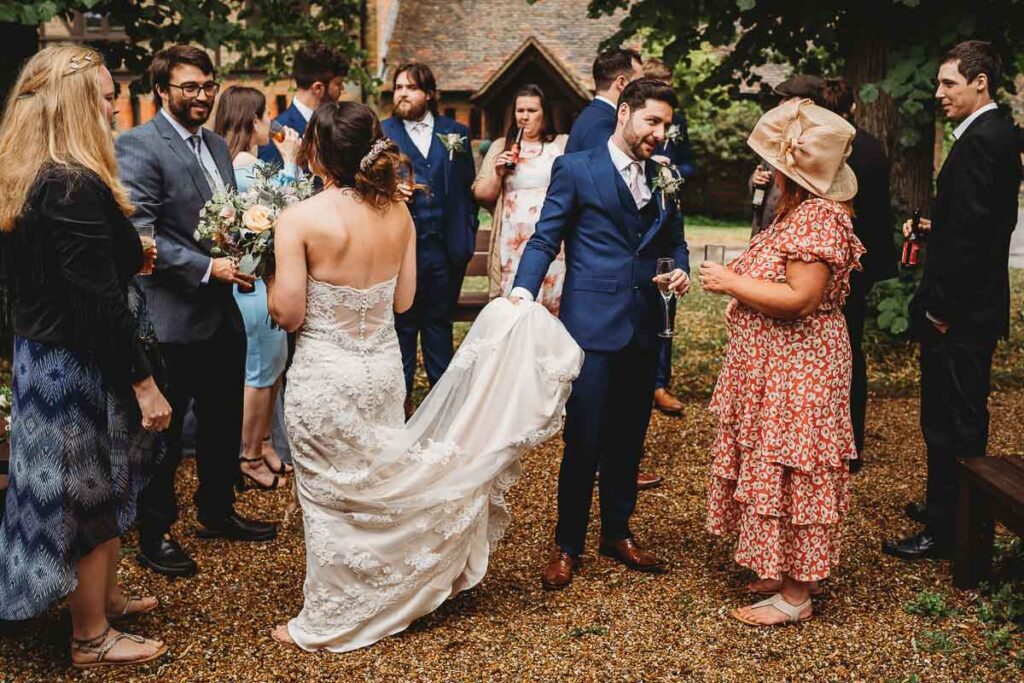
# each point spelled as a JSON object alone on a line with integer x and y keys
{"x": 191, "y": 90}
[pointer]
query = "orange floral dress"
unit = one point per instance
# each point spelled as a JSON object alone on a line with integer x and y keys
{"x": 779, "y": 476}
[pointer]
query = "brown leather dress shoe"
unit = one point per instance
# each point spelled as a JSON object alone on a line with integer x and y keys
{"x": 558, "y": 572}
{"x": 627, "y": 552}
{"x": 646, "y": 480}
{"x": 667, "y": 403}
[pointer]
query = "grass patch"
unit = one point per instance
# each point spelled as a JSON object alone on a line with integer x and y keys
{"x": 708, "y": 221}
{"x": 929, "y": 604}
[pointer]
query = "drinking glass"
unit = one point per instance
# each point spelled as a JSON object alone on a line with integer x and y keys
{"x": 665, "y": 268}
{"x": 148, "y": 238}
{"x": 715, "y": 253}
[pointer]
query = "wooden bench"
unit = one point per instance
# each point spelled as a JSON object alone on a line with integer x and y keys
{"x": 471, "y": 303}
{"x": 988, "y": 489}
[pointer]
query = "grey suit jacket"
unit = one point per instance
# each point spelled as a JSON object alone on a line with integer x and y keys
{"x": 168, "y": 189}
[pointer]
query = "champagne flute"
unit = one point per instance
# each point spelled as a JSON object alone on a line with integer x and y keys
{"x": 665, "y": 268}
{"x": 148, "y": 239}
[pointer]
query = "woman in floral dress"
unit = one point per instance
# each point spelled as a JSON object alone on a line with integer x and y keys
{"x": 515, "y": 196}
{"x": 779, "y": 474}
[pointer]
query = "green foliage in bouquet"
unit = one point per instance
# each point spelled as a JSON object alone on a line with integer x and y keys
{"x": 240, "y": 225}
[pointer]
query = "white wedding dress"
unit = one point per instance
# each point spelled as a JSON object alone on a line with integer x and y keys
{"x": 400, "y": 517}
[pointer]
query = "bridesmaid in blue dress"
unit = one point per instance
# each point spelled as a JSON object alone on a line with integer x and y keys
{"x": 243, "y": 120}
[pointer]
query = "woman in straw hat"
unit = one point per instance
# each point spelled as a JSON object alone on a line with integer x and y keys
{"x": 86, "y": 408}
{"x": 779, "y": 476}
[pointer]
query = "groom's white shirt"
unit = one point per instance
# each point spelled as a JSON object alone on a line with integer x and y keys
{"x": 622, "y": 163}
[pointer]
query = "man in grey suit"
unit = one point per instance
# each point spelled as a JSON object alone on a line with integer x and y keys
{"x": 172, "y": 166}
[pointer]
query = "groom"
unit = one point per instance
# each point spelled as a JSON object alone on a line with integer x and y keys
{"x": 615, "y": 226}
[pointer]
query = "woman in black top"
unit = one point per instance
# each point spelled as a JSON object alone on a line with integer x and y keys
{"x": 86, "y": 408}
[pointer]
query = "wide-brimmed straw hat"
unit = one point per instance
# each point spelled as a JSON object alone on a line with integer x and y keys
{"x": 810, "y": 144}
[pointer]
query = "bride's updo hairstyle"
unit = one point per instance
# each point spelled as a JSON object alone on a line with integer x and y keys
{"x": 344, "y": 143}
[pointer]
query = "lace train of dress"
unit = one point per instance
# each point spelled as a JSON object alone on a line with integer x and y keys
{"x": 400, "y": 517}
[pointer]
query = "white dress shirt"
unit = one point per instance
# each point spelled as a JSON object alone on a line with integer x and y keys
{"x": 205, "y": 158}
{"x": 421, "y": 132}
{"x": 307, "y": 112}
{"x": 966, "y": 123}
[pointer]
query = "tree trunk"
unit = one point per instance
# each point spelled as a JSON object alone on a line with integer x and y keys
{"x": 20, "y": 42}
{"x": 912, "y": 167}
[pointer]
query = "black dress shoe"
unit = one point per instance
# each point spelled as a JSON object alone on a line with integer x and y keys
{"x": 917, "y": 547}
{"x": 236, "y": 528}
{"x": 856, "y": 465}
{"x": 917, "y": 512}
{"x": 164, "y": 556}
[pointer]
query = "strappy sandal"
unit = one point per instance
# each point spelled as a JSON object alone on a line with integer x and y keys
{"x": 101, "y": 647}
{"x": 776, "y": 601}
{"x": 241, "y": 484}
{"x": 126, "y": 613}
{"x": 284, "y": 469}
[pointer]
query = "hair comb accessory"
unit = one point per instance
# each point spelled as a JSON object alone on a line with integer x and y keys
{"x": 76, "y": 64}
{"x": 375, "y": 151}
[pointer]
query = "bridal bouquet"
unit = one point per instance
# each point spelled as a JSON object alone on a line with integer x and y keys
{"x": 240, "y": 225}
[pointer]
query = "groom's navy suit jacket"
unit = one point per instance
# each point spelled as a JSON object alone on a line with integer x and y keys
{"x": 592, "y": 127}
{"x": 611, "y": 252}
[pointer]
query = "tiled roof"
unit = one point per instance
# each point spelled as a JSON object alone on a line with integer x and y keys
{"x": 466, "y": 41}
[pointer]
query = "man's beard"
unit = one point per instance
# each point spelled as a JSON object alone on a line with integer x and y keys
{"x": 182, "y": 110}
{"x": 635, "y": 143}
{"x": 407, "y": 110}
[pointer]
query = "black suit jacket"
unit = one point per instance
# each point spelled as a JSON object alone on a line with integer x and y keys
{"x": 872, "y": 207}
{"x": 966, "y": 279}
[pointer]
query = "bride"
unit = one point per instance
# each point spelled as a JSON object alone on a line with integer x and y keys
{"x": 397, "y": 517}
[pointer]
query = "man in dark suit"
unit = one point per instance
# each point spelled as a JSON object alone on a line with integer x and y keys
{"x": 615, "y": 226}
{"x": 171, "y": 167}
{"x": 872, "y": 223}
{"x": 319, "y": 73}
{"x": 613, "y": 70}
{"x": 445, "y": 217}
{"x": 676, "y": 148}
{"x": 962, "y": 305}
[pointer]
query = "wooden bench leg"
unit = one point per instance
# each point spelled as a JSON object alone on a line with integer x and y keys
{"x": 972, "y": 560}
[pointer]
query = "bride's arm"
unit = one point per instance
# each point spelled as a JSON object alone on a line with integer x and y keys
{"x": 405, "y": 291}
{"x": 286, "y": 291}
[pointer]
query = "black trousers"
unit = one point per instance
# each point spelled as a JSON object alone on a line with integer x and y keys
{"x": 211, "y": 373}
{"x": 606, "y": 424}
{"x": 855, "y": 312}
{"x": 955, "y": 384}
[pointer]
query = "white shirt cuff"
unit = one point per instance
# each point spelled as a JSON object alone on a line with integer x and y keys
{"x": 934, "y": 319}
{"x": 209, "y": 270}
{"x": 522, "y": 292}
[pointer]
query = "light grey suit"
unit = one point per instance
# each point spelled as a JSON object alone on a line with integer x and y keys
{"x": 199, "y": 326}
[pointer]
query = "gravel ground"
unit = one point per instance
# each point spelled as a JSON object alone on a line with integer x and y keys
{"x": 610, "y": 625}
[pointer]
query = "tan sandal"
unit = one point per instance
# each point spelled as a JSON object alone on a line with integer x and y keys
{"x": 126, "y": 611}
{"x": 779, "y": 603}
{"x": 101, "y": 646}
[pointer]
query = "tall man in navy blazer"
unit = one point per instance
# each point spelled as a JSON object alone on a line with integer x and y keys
{"x": 601, "y": 204}
{"x": 613, "y": 70}
{"x": 444, "y": 215}
{"x": 319, "y": 72}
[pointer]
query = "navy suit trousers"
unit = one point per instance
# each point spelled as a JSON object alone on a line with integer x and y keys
{"x": 606, "y": 424}
{"x": 432, "y": 315}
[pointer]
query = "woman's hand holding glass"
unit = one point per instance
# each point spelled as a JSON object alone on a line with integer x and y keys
{"x": 715, "y": 278}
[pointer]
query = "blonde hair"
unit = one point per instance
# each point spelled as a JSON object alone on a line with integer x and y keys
{"x": 54, "y": 116}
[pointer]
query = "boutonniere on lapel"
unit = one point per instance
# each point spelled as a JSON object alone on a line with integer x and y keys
{"x": 453, "y": 142}
{"x": 675, "y": 134}
{"x": 668, "y": 179}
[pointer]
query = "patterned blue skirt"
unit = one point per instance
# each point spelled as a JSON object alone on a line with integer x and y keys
{"x": 79, "y": 458}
